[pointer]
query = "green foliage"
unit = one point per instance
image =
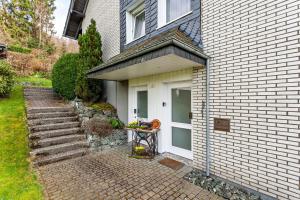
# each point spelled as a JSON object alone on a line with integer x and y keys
{"x": 90, "y": 46}
{"x": 18, "y": 181}
{"x": 19, "y": 49}
{"x": 49, "y": 48}
{"x": 90, "y": 56}
{"x": 64, "y": 75}
{"x": 35, "y": 80}
{"x": 29, "y": 22}
{"x": 45, "y": 75}
{"x": 6, "y": 78}
{"x": 116, "y": 123}
{"x": 16, "y": 18}
{"x": 33, "y": 43}
{"x": 103, "y": 107}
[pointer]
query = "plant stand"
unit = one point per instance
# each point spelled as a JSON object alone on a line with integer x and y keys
{"x": 150, "y": 138}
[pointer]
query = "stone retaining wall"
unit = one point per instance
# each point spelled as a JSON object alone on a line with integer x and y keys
{"x": 96, "y": 143}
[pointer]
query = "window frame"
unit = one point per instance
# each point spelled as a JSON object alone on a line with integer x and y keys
{"x": 134, "y": 25}
{"x": 131, "y": 15}
{"x": 162, "y": 14}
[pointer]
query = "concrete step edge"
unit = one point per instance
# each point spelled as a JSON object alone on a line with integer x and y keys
{"x": 60, "y": 157}
{"x": 55, "y": 133}
{"x": 59, "y": 148}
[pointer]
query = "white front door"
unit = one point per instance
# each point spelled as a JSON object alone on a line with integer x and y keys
{"x": 179, "y": 115}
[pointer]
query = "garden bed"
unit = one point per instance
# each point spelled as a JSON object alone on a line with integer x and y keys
{"x": 220, "y": 187}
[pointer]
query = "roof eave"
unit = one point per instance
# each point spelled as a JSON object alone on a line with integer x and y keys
{"x": 70, "y": 11}
{"x": 164, "y": 44}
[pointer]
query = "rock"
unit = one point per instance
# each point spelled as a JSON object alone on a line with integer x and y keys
{"x": 219, "y": 187}
{"x": 118, "y": 136}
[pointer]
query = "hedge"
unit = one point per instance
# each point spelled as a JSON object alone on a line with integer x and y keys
{"x": 64, "y": 75}
{"x": 6, "y": 78}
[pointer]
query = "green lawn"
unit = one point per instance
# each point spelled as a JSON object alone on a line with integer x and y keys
{"x": 17, "y": 180}
{"x": 35, "y": 81}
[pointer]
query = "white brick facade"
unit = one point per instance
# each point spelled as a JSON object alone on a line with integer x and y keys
{"x": 106, "y": 14}
{"x": 255, "y": 82}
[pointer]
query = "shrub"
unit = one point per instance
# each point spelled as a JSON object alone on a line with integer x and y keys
{"x": 64, "y": 74}
{"x": 91, "y": 56}
{"x": 104, "y": 106}
{"x": 19, "y": 49}
{"x": 6, "y": 78}
{"x": 33, "y": 43}
{"x": 99, "y": 127}
{"x": 116, "y": 123}
{"x": 49, "y": 48}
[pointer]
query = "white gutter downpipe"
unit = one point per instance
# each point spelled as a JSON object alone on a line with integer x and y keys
{"x": 207, "y": 117}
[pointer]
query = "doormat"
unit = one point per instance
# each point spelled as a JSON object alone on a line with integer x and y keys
{"x": 173, "y": 164}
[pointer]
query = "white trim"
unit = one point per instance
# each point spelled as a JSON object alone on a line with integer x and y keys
{"x": 131, "y": 15}
{"x": 170, "y": 22}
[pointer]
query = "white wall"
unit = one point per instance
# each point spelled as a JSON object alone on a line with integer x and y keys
{"x": 254, "y": 45}
{"x": 106, "y": 14}
{"x": 156, "y": 85}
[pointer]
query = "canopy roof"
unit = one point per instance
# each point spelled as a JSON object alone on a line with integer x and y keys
{"x": 169, "y": 51}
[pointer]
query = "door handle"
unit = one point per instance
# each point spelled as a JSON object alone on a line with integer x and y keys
{"x": 134, "y": 111}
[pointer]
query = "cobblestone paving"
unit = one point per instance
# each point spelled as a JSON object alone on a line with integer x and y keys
{"x": 112, "y": 175}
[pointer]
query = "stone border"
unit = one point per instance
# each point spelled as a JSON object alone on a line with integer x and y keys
{"x": 223, "y": 188}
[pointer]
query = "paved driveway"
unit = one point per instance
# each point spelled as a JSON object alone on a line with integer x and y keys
{"x": 112, "y": 175}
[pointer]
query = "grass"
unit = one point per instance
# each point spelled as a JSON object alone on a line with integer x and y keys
{"x": 35, "y": 81}
{"x": 17, "y": 180}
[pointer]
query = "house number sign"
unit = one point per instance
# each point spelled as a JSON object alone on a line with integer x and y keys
{"x": 221, "y": 124}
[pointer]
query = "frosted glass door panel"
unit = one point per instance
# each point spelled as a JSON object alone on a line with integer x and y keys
{"x": 181, "y": 138}
{"x": 181, "y": 106}
{"x": 142, "y": 104}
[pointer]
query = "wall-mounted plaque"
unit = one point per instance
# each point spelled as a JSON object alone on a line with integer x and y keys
{"x": 222, "y": 124}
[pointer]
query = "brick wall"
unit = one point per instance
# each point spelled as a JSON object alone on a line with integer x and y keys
{"x": 255, "y": 82}
{"x": 106, "y": 14}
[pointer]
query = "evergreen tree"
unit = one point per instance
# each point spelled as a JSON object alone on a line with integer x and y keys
{"x": 90, "y": 55}
{"x": 27, "y": 21}
{"x": 16, "y": 18}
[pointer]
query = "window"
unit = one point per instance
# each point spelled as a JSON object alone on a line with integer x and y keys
{"x": 139, "y": 25}
{"x": 170, "y": 10}
{"x": 177, "y": 8}
{"x": 135, "y": 23}
{"x": 142, "y": 104}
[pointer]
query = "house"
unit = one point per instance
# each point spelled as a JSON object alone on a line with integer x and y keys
{"x": 222, "y": 77}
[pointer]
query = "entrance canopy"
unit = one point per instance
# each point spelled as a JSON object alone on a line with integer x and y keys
{"x": 170, "y": 51}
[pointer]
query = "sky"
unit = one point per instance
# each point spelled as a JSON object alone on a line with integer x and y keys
{"x": 60, "y": 14}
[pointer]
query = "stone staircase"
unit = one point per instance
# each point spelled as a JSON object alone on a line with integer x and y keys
{"x": 55, "y": 132}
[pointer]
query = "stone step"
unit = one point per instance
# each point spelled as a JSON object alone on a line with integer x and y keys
{"x": 38, "y": 94}
{"x": 50, "y": 115}
{"x": 49, "y": 109}
{"x": 42, "y": 98}
{"x": 48, "y": 127}
{"x": 56, "y": 140}
{"x": 55, "y": 133}
{"x": 55, "y": 149}
{"x": 52, "y": 120}
{"x": 37, "y": 89}
{"x": 60, "y": 157}
{"x": 35, "y": 92}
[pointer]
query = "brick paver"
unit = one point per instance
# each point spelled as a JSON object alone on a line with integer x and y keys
{"x": 112, "y": 175}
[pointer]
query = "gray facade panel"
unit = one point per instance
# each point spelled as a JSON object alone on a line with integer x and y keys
{"x": 189, "y": 24}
